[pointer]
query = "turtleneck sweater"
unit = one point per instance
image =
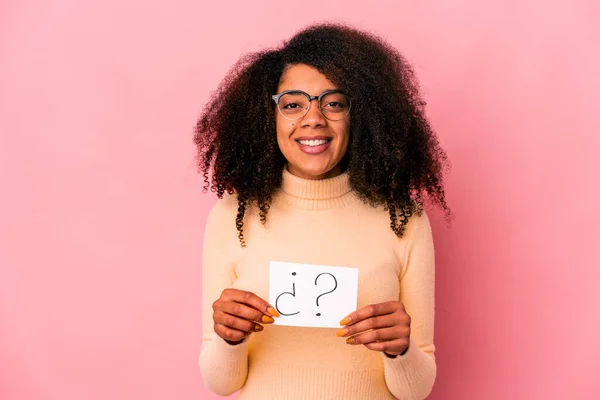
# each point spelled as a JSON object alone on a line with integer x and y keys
{"x": 320, "y": 222}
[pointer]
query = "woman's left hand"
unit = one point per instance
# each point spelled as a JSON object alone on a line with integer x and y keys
{"x": 381, "y": 327}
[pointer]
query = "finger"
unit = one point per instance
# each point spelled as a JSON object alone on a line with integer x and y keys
{"x": 372, "y": 311}
{"x": 376, "y": 335}
{"x": 391, "y": 347}
{"x": 233, "y": 322}
{"x": 250, "y": 299}
{"x": 378, "y": 322}
{"x": 227, "y": 333}
{"x": 243, "y": 311}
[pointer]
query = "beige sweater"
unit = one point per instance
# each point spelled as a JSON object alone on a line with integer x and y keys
{"x": 324, "y": 223}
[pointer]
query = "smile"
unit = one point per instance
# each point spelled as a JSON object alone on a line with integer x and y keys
{"x": 314, "y": 146}
{"x": 314, "y": 143}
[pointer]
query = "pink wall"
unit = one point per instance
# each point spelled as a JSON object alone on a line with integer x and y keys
{"x": 101, "y": 213}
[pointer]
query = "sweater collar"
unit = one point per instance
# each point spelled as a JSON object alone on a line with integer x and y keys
{"x": 320, "y": 189}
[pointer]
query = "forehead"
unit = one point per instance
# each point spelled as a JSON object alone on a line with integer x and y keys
{"x": 306, "y": 78}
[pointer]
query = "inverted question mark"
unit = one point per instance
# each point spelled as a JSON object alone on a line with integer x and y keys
{"x": 292, "y": 293}
{"x": 323, "y": 294}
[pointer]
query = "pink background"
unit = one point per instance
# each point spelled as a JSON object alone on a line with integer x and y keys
{"x": 101, "y": 211}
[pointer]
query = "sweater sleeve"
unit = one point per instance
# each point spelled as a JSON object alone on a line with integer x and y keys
{"x": 224, "y": 367}
{"x": 411, "y": 376}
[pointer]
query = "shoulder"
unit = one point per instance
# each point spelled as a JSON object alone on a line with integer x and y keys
{"x": 417, "y": 233}
{"x": 417, "y": 244}
{"x": 418, "y": 229}
{"x": 222, "y": 214}
{"x": 418, "y": 224}
{"x": 224, "y": 208}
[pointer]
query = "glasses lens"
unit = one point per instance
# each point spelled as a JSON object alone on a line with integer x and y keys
{"x": 335, "y": 106}
{"x": 293, "y": 105}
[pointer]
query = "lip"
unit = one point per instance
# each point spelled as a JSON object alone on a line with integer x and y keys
{"x": 314, "y": 150}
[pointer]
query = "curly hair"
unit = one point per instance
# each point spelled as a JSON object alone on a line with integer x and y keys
{"x": 394, "y": 158}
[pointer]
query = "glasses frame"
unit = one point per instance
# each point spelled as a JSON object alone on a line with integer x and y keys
{"x": 310, "y": 98}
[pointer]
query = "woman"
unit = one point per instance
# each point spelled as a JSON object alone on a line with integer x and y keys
{"x": 320, "y": 153}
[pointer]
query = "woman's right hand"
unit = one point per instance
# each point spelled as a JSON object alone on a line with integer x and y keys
{"x": 237, "y": 314}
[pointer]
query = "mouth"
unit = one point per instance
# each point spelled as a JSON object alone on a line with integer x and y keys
{"x": 314, "y": 145}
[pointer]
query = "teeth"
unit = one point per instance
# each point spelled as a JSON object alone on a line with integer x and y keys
{"x": 313, "y": 143}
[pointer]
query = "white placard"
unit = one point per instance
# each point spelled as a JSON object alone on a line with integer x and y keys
{"x": 312, "y": 295}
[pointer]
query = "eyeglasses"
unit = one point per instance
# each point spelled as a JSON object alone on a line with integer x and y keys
{"x": 294, "y": 104}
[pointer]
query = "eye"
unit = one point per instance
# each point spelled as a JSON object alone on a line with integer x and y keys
{"x": 291, "y": 105}
{"x": 334, "y": 104}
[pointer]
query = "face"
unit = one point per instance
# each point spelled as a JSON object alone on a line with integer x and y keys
{"x": 312, "y": 145}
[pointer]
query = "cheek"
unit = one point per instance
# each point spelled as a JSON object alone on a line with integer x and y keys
{"x": 344, "y": 132}
{"x": 345, "y": 142}
{"x": 284, "y": 129}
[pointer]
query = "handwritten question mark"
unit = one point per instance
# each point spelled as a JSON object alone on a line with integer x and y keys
{"x": 292, "y": 293}
{"x": 323, "y": 294}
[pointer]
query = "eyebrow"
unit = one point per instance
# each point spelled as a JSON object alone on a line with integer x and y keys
{"x": 300, "y": 90}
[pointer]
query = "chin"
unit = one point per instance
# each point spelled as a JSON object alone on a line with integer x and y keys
{"x": 315, "y": 172}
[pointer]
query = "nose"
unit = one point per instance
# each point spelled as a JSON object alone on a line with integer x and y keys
{"x": 314, "y": 117}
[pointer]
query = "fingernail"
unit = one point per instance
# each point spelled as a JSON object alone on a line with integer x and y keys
{"x": 267, "y": 320}
{"x": 345, "y": 321}
{"x": 258, "y": 328}
{"x": 341, "y": 332}
{"x": 350, "y": 340}
{"x": 273, "y": 312}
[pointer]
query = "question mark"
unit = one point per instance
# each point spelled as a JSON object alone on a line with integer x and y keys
{"x": 323, "y": 294}
{"x": 292, "y": 293}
